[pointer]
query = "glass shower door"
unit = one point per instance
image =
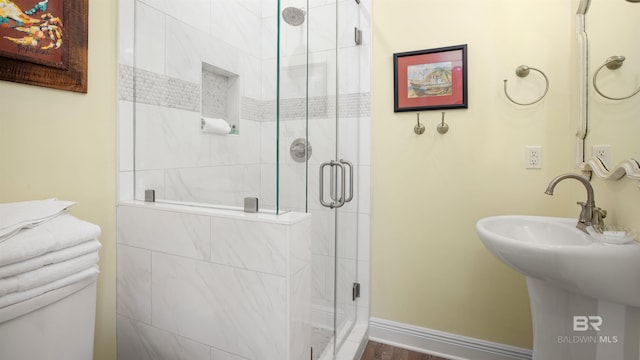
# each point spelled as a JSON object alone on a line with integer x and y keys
{"x": 347, "y": 150}
{"x": 336, "y": 194}
{"x": 338, "y": 172}
{"x": 315, "y": 105}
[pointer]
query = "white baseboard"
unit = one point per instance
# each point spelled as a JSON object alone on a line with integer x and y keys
{"x": 451, "y": 346}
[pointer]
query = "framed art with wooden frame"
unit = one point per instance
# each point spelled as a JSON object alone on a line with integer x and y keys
{"x": 430, "y": 79}
{"x": 44, "y": 43}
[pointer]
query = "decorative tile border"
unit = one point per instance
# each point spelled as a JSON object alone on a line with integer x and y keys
{"x": 355, "y": 105}
{"x": 252, "y": 109}
{"x": 350, "y": 106}
{"x": 155, "y": 89}
{"x": 150, "y": 88}
{"x": 125, "y": 83}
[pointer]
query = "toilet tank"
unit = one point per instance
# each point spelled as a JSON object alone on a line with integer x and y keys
{"x": 58, "y": 325}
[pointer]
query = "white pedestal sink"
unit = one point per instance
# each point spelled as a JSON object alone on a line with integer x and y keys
{"x": 585, "y": 295}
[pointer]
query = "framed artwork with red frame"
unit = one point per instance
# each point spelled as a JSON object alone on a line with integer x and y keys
{"x": 430, "y": 79}
{"x": 44, "y": 43}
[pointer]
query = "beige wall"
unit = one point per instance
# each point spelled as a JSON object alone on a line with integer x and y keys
{"x": 620, "y": 199}
{"x": 428, "y": 266}
{"x": 60, "y": 144}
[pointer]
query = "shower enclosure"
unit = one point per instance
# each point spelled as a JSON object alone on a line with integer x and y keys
{"x": 291, "y": 80}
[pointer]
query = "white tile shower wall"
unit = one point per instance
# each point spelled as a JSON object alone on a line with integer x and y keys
{"x": 125, "y": 135}
{"x": 126, "y": 31}
{"x": 226, "y": 185}
{"x": 134, "y": 283}
{"x": 149, "y": 179}
{"x": 235, "y": 244}
{"x": 181, "y": 163}
{"x": 269, "y": 36}
{"x": 186, "y": 46}
{"x": 140, "y": 341}
{"x": 300, "y": 290}
{"x": 169, "y": 138}
{"x": 240, "y": 25}
{"x": 300, "y": 319}
{"x": 186, "y": 235}
{"x": 246, "y": 296}
{"x": 244, "y": 312}
{"x": 149, "y": 40}
{"x": 172, "y": 40}
{"x": 125, "y": 150}
{"x": 237, "y": 150}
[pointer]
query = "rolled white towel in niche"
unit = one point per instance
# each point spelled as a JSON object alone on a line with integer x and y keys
{"x": 216, "y": 126}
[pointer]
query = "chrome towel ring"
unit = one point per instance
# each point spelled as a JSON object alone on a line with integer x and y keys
{"x": 523, "y": 71}
{"x": 612, "y": 63}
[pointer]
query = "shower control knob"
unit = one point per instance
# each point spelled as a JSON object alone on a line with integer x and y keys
{"x": 299, "y": 148}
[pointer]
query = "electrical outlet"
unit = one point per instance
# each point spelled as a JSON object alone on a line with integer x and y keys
{"x": 603, "y": 152}
{"x": 533, "y": 157}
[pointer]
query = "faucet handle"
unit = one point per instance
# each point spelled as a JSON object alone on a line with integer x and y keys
{"x": 598, "y": 215}
{"x": 586, "y": 215}
{"x": 584, "y": 205}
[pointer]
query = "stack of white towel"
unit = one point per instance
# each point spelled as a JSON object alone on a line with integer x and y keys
{"x": 43, "y": 249}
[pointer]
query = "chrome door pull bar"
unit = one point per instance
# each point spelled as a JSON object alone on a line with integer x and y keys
{"x": 337, "y": 201}
{"x": 350, "y": 165}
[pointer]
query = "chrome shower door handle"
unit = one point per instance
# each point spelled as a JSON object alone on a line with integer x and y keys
{"x": 321, "y": 182}
{"x": 337, "y": 201}
{"x": 333, "y": 183}
{"x": 350, "y": 166}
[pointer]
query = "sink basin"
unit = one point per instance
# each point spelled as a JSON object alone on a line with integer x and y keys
{"x": 555, "y": 251}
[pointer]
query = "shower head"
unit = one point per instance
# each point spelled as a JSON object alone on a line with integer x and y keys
{"x": 293, "y": 16}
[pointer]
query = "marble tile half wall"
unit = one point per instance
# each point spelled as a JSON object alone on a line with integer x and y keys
{"x": 212, "y": 284}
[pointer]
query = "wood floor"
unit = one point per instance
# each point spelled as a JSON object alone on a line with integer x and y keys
{"x": 378, "y": 351}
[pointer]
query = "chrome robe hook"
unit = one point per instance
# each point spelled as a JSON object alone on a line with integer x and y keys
{"x": 612, "y": 63}
{"x": 419, "y": 128}
{"x": 443, "y": 127}
{"x": 523, "y": 71}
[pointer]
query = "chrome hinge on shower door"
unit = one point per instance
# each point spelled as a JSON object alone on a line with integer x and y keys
{"x": 357, "y": 37}
{"x": 356, "y": 291}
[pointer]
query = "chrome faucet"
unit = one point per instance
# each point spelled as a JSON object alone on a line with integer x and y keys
{"x": 590, "y": 214}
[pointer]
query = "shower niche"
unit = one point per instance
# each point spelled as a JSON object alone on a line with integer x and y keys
{"x": 220, "y": 94}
